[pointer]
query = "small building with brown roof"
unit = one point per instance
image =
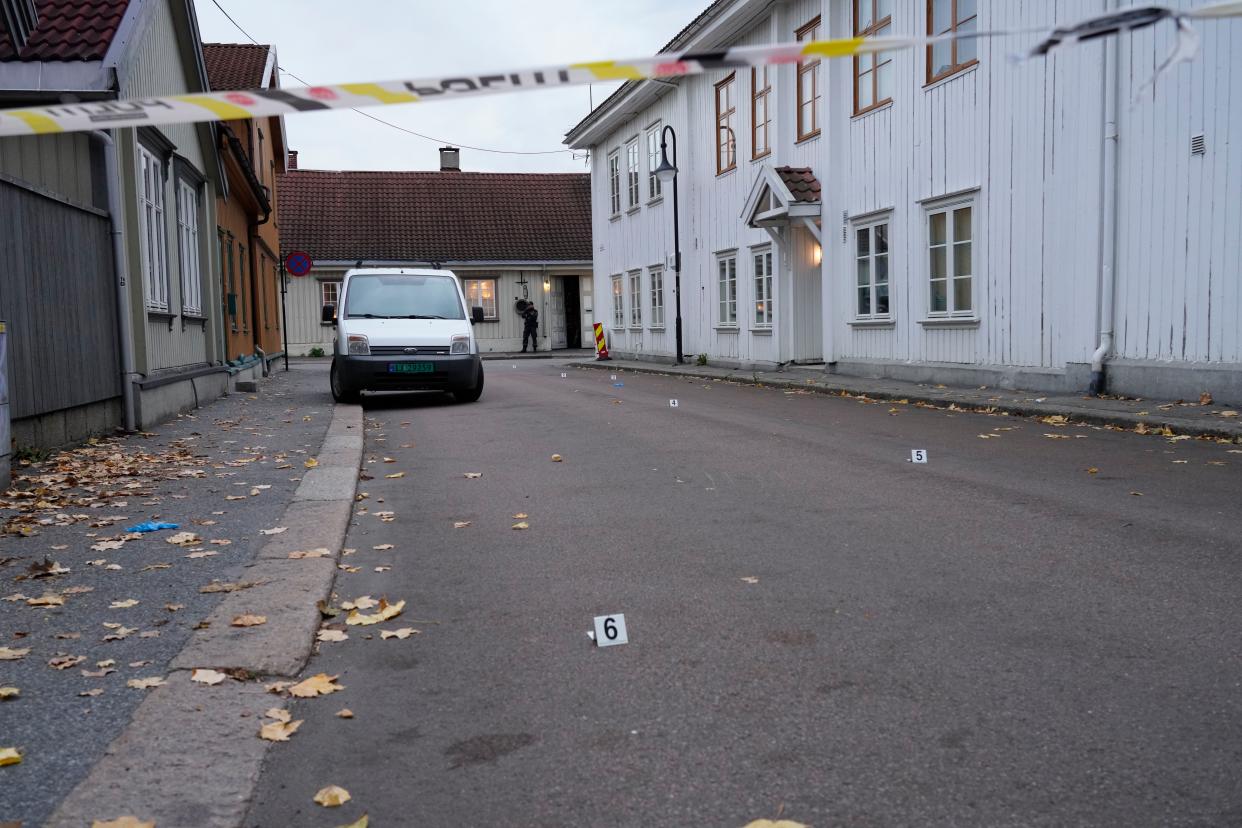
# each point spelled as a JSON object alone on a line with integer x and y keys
{"x": 509, "y": 236}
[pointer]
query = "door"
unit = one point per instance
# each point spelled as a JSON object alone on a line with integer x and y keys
{"x": 556, "y": 313}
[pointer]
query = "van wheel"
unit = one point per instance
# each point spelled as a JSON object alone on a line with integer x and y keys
{"x": 341, "y": 392}
{"x": 469, "y": 395}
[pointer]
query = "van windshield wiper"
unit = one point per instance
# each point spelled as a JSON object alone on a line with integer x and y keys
{"x": 371, "y": 316}
{"x": 418, "y": 316}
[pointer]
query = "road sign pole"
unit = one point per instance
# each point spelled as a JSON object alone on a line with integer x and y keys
{"x": 284, "y": 313}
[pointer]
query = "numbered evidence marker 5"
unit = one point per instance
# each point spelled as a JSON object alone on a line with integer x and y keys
{"x": 610, "y": 630}
{"x": 672, "y": 403}
{"x": 918, "y": 455}
{"x": 563, "y": 376}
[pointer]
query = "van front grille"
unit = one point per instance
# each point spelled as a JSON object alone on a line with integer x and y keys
{"x": 408, "y": 351}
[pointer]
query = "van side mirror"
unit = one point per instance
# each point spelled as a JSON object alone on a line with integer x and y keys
{"x": 476, "y": 315}
{"x": 328, "y": 317}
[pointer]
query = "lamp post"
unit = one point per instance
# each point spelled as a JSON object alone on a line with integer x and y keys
{"x": 667, "y": 173}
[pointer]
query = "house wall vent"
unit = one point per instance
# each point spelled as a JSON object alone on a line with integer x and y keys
{"x": 19, "y": 18}
{"x": 1198, "y": 144}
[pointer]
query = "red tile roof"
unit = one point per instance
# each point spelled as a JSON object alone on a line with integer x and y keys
{"x": 802, "y": 182}
{"x": 436, "y": 216}
{"x": 68, "y": 30}
{"x": 235, "y": 65}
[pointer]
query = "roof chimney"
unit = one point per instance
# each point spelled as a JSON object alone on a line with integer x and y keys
{"x": 450, "y": 159}
{"x": 20, "y": 18}
{"x": 292, "y": 163}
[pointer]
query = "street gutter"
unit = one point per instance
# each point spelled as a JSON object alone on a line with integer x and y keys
{"x": 191, "y": 755}
{"x": 1090, "y": 411}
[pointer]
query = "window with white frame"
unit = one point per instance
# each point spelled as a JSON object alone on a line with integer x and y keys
{"x": 631, "y": 172}
{"x": 187, "y": 240}
{"x": 636, "y": 299}
{"x": 726, "y": 285}
{"x": 871, "y": 261}
{"x": 762, "y": 261}
{"x": 655, "y": 187}
{"x": 481, "y": 293}
{"x": 618, "y": 302}
{"x": 657, "y": 298}
{"x": 151, "y": 229}
{"x": 950, "y": 244}
{"x": 330, "y": 293}
{"x": 614, "y": 182}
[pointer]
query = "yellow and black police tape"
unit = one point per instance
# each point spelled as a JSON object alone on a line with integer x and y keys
{"x": 237, "y": 105}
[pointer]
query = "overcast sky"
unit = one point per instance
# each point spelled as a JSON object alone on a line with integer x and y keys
{"x": 329, "y": 41}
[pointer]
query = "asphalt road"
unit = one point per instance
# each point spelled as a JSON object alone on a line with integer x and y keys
{"x": 998, "y": 637}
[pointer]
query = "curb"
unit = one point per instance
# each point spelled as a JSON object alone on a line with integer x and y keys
{"x": 1075, "y": 414}
{"x": 191, "y": 755}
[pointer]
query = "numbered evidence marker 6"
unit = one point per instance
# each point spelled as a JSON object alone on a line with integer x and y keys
{"x": 918, "y": 455}
{"x": 672, "y": 403}
{"x": 610, "y": 630}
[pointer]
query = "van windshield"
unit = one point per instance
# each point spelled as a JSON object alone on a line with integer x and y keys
{"x": 398, "y": 296}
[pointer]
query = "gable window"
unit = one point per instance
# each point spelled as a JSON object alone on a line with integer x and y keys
{"x": 657, "y": 298}
{"x": 948, "y": 57}
{"x": 950, "y": 245}
{"x": 618, "y": 302}
{"x": 636, "y": 299}
{"x": 760, "y": 114}
{"x": 655, "y": 187}
{"x": 614, "y": 182}
{"x": 631, "y": 171}
{"x": 808, "y": 86}
{"x": 726, "y": 136}
{"x": 481, "y": 293}
{"x": 152, "y": 236}
{"x": 873, "y": 73}
{"x": 187, "y": 240}
{"x": 762, "y": 260}
{"x": 871, "y": 260}
{"x": 726, "y": 281}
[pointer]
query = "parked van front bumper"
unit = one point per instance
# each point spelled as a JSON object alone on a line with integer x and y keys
{"x": 389, "y": 373}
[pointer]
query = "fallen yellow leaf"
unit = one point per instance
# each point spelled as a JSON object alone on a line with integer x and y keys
{"x": 331, "y": 635}
{"x": 780, "y": 823}
{"x": 279, "y": 731}
{"x": 386, "y": 611}
{"x": 184, "y": 539}
{"x": 521, "y": 516}
{"x": 473, "y": 475}
{"x": 395, "y": 475}
{"x": 362, "y": 822}
{"x": 332, "y": 796}
{"x": 248, "y": 620}
{"x": 274, "y": 531}
{"x": 122, "y": 822}
{"x": 460, "y": 524}
{"x": 522, "y": 525}
{"x": 365, "y": 602}
{"x": 9, "y": 756}
{"x": 344, "y": 713}
{"x": 126, "y": 604}
{"x": 207, "y": 676}
{"x": 318, "y": 685}
{"x": 383, "y": 547}
{"x": 311, "y": 463}
{"x": 11, "y": 654}
{"x": 750, "y": 579}
{"x": 1093, "y": 470}
{"x": 47, "y": 599}
{"x": 7, "y": 693}
{"x": 146, "y": 683}
{"x": 556, "y": 458}
{"x": 319, "y": 552}
{"x": 403, "y": 633}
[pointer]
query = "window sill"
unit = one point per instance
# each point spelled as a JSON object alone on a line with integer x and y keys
{"x": 950, "y": 322}
{"x": 873, "y": 323}
{"x": 615, "y": 217}
{"x": 636, "y": 328}
{"x": 724, "y": 172}
{"x": 654, "y": 201}
{"x": 631, "y": 211}
{"x": 656, "y": 329}
{"x": 726, "y": 329}
{"x": 764, "y": 331}
{"x": 757, "y": 158}
{"x": 189, "y": 316}
{"x": 158, "y": 313}
{"x": 960, "y": 72}
{"x": 873, "y": 110}
{"x": 808, "y": 137}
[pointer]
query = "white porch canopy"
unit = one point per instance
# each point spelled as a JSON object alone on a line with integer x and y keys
{"x": 781, "y": 197}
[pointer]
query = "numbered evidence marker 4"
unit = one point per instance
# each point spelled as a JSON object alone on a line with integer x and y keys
{"x": 610, "y": 630}
{"x": 918, "y": 455}
{"x": 563, "y": 375}
{"x": 672, "y": 403}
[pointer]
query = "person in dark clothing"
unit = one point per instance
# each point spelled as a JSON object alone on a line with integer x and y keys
{"x": 530, "y": 327}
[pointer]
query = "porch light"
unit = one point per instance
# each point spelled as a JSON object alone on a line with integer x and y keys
{"x": 547, "y": 285}
{"x": 817, "y": 254}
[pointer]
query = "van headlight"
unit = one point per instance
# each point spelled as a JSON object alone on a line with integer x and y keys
{"x": 461, "y": 345}
{"x": 359, "y": 345}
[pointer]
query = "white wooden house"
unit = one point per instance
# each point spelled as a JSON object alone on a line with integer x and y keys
{"x": 946, "y": 214}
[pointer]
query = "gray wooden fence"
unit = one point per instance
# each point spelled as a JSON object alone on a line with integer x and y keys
{"x": 58, "y": 296}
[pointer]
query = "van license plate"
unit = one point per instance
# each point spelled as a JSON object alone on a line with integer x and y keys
{"x": 411, "y": 367}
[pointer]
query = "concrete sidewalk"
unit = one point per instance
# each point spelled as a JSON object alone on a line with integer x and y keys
{"x": 1179, "y": 417}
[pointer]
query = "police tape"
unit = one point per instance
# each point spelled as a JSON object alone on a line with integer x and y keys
{"x": 259, "y": 103}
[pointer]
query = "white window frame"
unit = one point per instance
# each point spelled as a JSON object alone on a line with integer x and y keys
{"x": 188, "y": 248}
{"x": 948, "y": 208}
{"x": 153, "y": 234}
{"x": 614, "y": 182}
{"x": 869, "y": 226}
{"x": 656, "y": 276}
{"x": 726, "y": 290}
{"x": 335, "y": 300}
{"x": 636, "y": 299}
{"x": 764, "y": 306}
{"x": 655, "y": 187}
{"x": 491, "y": 313}
{"x": 632, "y": 174}
{"x": 618, "y": 302}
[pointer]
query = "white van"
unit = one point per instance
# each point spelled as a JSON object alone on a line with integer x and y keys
{"x": 400, "y": 329}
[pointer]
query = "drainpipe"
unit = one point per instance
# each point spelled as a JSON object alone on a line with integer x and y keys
{"x": 1109, "y": 221}
{"x": 124, "y": 322}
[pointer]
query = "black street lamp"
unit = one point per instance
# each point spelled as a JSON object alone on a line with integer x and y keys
{"x": 667, "y": 173}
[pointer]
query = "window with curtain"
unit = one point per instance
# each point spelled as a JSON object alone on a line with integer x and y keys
{"x": 760, "y": 113}
{"x": 873, "y": 73}
{"x": 762, "y": 260}
{"x": 726, "y": 115}
{"x": 726, "y": 280}
{"x": 871, "y": 264}
{"x": 950, "y": 242}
